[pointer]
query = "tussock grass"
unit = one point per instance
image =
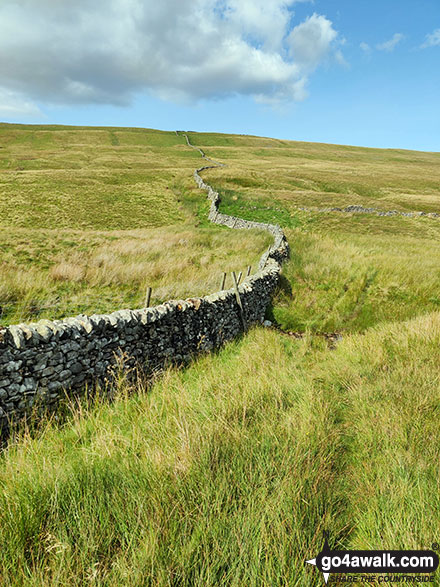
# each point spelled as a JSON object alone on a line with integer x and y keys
{"x": 347, "y": 271}
{"x": 79, "y": 178}
{"x": 89, "y": 272}
{"x": 306, "y": 174}
{"x": 71, "y": 197}
{"x": 228, "y": 472}
{"x": 350, "y": 282}
{"x": 79, "y": 211}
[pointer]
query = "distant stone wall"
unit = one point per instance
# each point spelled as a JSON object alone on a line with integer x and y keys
{"x": 41, "y": 362}
{"x": 357, "y": 209}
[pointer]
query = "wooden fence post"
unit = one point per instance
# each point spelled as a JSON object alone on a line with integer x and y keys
{"x": 148, "y": 297}
{"x": 237, "y": 295}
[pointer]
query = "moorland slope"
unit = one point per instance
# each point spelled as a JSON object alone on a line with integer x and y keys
{"x": 227, "y": 472}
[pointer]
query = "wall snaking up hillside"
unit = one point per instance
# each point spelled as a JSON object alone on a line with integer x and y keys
{"x": 41, "y": 362}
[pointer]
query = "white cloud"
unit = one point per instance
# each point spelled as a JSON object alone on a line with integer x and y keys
{"x": 431, "y": 40}
{"x": 58, "y": 51}
{"x": 391, "y": 44}
{"x": 365, "y": 48}
{"x": 265, "y": 20}
{"x": 311, "y": 41}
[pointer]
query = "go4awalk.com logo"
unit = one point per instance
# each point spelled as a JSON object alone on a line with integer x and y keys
{"x": 401, "y": 563}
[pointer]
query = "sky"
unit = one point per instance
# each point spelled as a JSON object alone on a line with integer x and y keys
{"x": 356, "y": 72}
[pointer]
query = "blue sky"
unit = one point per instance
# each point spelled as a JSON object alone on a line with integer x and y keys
{"x": 350, "y": 72}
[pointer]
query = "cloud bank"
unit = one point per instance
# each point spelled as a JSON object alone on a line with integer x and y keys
{"x": 64, "y": 52}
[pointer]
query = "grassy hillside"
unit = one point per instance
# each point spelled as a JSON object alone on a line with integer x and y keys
{"x": 348, "y": 271}
{"x": 228, "y": 472}
{"x": 91, "y": 179}
{"x": 81, "y": 207}
{"x": 79, "y": 215}
{"x": 313, "y": 174}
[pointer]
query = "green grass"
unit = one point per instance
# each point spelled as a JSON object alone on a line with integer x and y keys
{"x": 347, "y": 272}
{"x": 306, "y": 174}
{"x": 80, "y": 213}
{"x": 227, "y": 472}
{"x": 53, "y": 274}
{"x": 235, "y": 204}
{"x": 91, "y": 179}
{"x": 349, "y": 280}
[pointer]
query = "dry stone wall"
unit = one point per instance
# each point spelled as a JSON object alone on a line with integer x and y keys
{"x": 43, "y": 361}
{"x": 356, "y": 209}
